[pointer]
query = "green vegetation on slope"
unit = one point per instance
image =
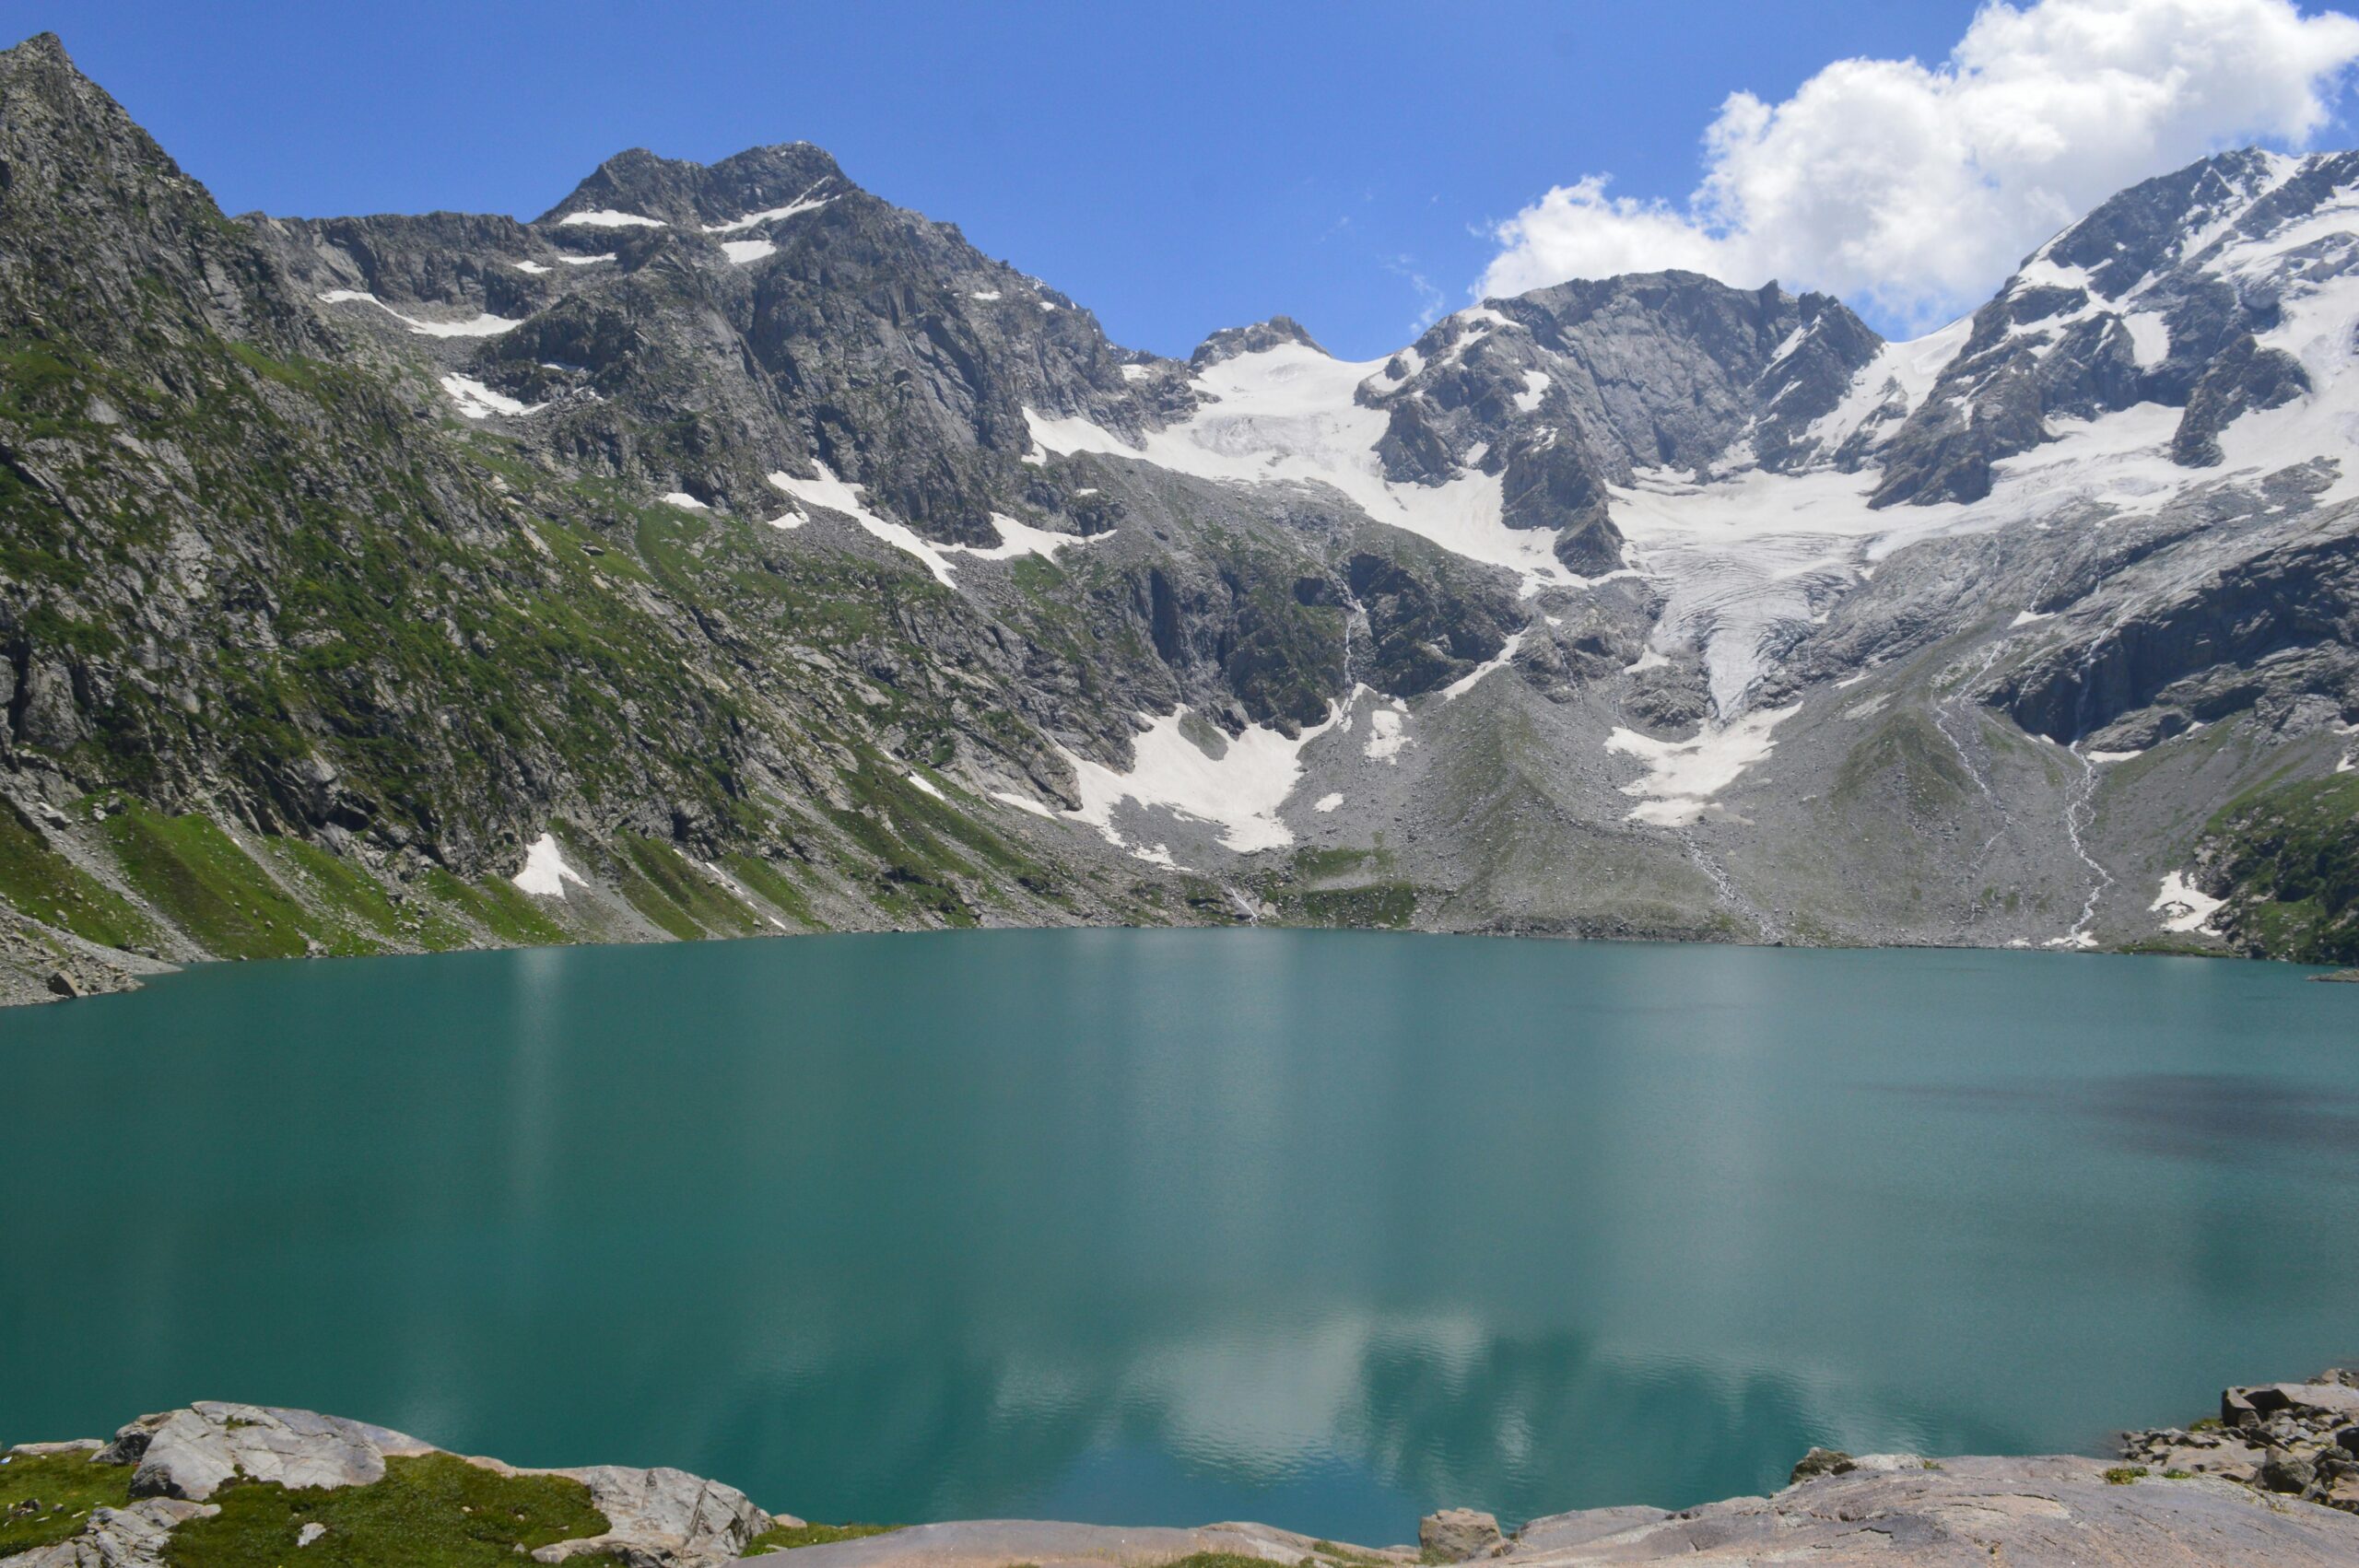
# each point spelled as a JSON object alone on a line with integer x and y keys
{"x": 36, "y": 880}
{"x": 786, "y": 1537}
{"x": 47, "y": 1497}
{"x": 209, "y": 887}
{"x": 2290, "y": 857}
{"x": 430, "y": 1511}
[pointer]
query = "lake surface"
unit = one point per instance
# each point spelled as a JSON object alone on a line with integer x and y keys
{"x": 1325, "y": 1229}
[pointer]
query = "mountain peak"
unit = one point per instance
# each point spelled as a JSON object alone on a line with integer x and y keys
{"x": 639, "y": 183}
{"x": 1230, "y": 342}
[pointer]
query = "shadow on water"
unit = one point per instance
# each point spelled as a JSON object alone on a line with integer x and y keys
{"x": 2181, "y": 1116}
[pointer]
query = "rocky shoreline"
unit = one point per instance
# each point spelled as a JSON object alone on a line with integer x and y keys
{"x": 2273, "y": 1482}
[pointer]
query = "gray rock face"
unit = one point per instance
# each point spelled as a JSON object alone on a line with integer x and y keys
{"x": 191, "y": 1453}
{"x": 2152, "y": 298}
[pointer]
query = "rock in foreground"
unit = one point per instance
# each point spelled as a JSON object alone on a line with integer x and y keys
{"x": 250, "y": 1483}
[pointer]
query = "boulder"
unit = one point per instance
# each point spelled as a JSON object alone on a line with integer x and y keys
{"x": 662, "y": 1518}
{"x": 1822, "y": 1462}
{"x": 1458, "y": 1535}
{"x": 190, "y": 1452}
{"x": 2289, "y": 1473}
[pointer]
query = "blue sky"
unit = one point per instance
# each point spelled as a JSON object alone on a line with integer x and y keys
{"x": 1178, "y": 168}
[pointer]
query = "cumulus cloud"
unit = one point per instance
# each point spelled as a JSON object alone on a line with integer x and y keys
{"x": 1915, "y": 189}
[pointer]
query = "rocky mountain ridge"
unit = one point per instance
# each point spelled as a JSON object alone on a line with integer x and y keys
{"x": 727, "y": 551}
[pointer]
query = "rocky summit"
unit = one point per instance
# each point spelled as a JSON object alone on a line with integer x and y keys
{"x": 729, "y": 552}
{"x": 228, "y": 1484}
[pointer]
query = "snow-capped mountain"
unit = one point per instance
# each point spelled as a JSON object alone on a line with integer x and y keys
{"x": 728, "y": 549}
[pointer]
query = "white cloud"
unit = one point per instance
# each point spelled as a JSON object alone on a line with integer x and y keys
{"x": 1916, "y": 189}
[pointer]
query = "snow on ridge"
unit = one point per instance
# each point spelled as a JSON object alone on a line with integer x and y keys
{"x": 801, "y": 204}
{"x": 1286, "y": 414}
{"x": 477, "y": 401}
{"x": 1682, "y": 777}
{"x": 546, "y": 873}
{"x": 605, "y": 217}
{"x": 485, "y": 325}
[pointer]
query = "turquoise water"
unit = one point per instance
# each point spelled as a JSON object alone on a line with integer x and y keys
{"x": 1326, "y": 1229}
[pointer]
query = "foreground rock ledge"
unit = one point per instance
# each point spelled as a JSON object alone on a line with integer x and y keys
{"x": 1877, "y": 1509}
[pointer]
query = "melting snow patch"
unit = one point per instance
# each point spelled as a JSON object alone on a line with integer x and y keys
{"x": 1535, "y": 387}
{"x": 1241, "y": 790}
{"x": 477, "y": 401}
{"x": 1155, "y": 855}
{"x": 607, "y": 218}
{"x": 744, "y": 250}
{"x": 686, "y": 502}
{"x": 546, "y": 872}
{"x": 1022, "y": 803}
{"x": 928, "y": 785}
{"x": 1386, "y": 734}
{"x": 988, "y": 296}
{"x": 2110, "y": 756}
{"x": 2029, "y": 618}
{"x": 536, "y": 268}
{"x": 587, "y": 261}
{"x": 1683, "y": 776}
{"x": 801, "y": 204}
{"x": 485, "y": 325}
{"x": 1326, "y": 803}
{"x": 2183, "y": 906}
{"x": 1015, "y": 538}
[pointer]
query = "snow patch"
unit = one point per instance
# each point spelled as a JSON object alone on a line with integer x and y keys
{"x": 1241, "y": 790}
{"x": 2183, "y": 906}
{"x": 801, "y": 204}
{"x": 1683, "y": 776}
{"x": 1535, "y": 387}
{"x": 835, "y": 495}
{"x": 477, "y": 401}
{"x": 607, "y": 218}
{"x": 546, "y": 872}
{"x": 485, "y": 325}
{"x": 536, "y": 268}
{"x": 1387, "y": 735}
{"x": 928, "y": 785}
{"x": 1325, "y": 804}
{"x": 744, "y": 250}
{"x": 587, "y": 261}
{"x": 685, "y": 501}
